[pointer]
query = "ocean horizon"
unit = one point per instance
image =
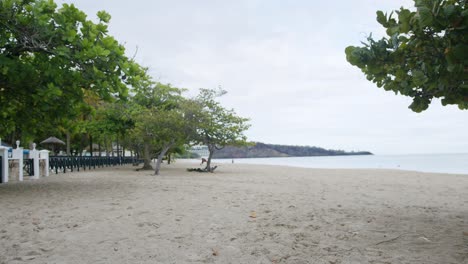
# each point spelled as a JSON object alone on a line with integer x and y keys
{"x": 456, "y": 163}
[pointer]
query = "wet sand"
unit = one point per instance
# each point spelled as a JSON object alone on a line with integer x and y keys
{"x": 239, "y": 214}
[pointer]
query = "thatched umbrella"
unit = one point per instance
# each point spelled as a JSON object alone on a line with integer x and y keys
{"x": 53, "y": 141}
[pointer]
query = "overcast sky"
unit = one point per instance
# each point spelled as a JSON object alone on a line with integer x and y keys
{"x": 283, "y": 65}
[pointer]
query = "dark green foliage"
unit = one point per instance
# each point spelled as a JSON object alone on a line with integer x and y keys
{"x": 424, "y": 56}
{"x": 51, "y": 59}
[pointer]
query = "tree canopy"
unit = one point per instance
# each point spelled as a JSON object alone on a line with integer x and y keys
{"x": 51, "y": 58}
{"x": 217, "y": 126}
{"x": 424, "y": 56}
{"x": 160, "y": 122}
{"x": 62, "y": 74}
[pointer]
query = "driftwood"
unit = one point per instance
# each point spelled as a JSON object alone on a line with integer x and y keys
{"x": 203, "y": 170}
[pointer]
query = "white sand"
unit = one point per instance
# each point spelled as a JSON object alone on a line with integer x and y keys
{"x": 240, "y": 214}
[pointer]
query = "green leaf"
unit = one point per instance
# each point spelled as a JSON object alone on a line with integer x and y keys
{"x": 464, "y": 13}
{"x": 381, "y": 18}
{"x": 5, "y": 70}
{"x": 104, "y": 16}
{"x": 404, "y": 17}
{"x": 419, "y": 104}
{"x": 425, "y": 16}
{"x": 419, "y": 78}
{"x": 460, "y": 51}
{"x": 449, "y": 10}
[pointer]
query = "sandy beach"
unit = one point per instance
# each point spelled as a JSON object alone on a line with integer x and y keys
{"x": 239, "y": 214}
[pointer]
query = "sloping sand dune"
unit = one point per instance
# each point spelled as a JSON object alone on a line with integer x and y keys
{"x": 239, "y": 214}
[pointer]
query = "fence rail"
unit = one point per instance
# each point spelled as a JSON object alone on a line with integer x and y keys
{"x": 71, "y": 163}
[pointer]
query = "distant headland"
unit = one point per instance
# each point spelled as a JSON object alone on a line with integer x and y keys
{"x": 262, "y": 150}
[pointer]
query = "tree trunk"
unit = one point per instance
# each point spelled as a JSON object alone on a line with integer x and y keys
{"x": 160, "y": 157}
{"x": 146, "y": 158}
{"x": 68, "y": 143}
{"x": 82, "y": 143}
{"x": 106, "y": 147}
{"x": 211, "y": 149}
{"x": 118, "y": 147}
{"x": 91, "y": 144}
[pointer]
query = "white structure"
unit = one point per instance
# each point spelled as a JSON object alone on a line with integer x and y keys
{"x": 44, "y": 155}
{"x": 4, "y": 155}
{"x": 17, "y": 156}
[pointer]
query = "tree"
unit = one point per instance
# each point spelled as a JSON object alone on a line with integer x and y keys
{"x": 112, "y": 121}
{"x": 161, "y": 131}
{"x": 51, "y": 58}
{"x": 217, "y": 126}
{"x": 424, "y": 56}
{"x": 160, "y": 121}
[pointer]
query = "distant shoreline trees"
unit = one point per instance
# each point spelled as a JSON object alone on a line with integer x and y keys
{"x": 262, "y": 150}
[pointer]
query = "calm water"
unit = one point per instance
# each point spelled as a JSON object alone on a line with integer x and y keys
{"x": 444, "y": 163}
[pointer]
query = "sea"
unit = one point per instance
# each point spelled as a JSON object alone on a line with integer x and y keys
{"x": 440, "y": 163}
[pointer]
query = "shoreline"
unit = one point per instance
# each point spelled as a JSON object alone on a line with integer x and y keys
{"x": 239, "y": 214}
{"x": 430, "y": 163}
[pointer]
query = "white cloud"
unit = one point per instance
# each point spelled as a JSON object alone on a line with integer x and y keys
{"x": 284, "y": 66}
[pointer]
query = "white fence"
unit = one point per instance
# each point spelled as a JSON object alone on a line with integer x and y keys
{"x": 15, "y": 158}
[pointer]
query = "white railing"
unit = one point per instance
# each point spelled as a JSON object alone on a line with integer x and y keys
{"x": 16, "y": 157}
